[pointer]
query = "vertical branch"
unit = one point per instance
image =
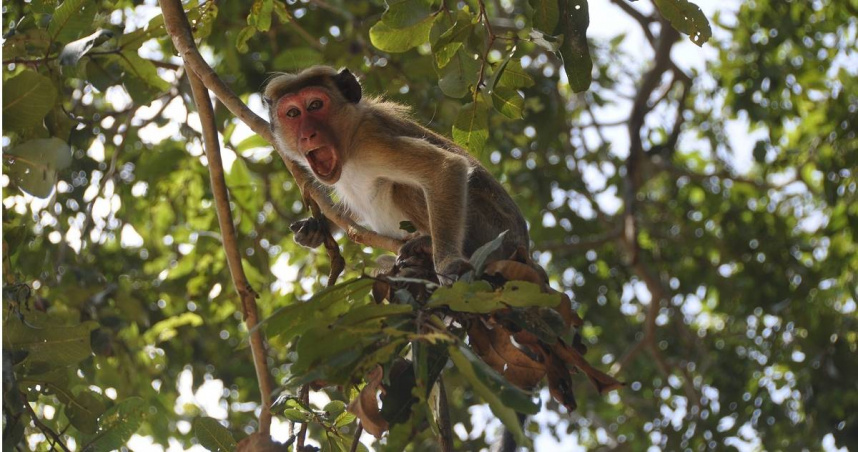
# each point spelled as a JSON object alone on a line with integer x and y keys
{"x": 445, "y": 426}
{"x": 230, "y": 245}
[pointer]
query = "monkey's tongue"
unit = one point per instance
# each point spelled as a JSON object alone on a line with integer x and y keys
{"x": 322, "y": 160}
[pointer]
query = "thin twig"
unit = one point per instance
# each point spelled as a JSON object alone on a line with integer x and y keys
{"x": 230, "y": 244}
{"x": 356, "y": 438}
{"x": 304, "y": 396}
{"x": 45, "y": 429}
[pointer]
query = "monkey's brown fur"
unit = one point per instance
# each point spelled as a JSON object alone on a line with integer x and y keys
{"x": 390, "y": 168}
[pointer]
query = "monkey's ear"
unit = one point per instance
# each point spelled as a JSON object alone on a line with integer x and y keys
{"x": 348, "y": 85}
{"x": 266, "y": 101}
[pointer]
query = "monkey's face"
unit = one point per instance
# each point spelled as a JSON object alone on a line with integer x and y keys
{"x": 305, "y": 118}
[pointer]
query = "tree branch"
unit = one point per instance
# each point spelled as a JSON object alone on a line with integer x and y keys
{"x": 230, "y": 244}
{"x": 45, "y": 429}
{"x": 179, "y": 30}
{"x": 640, "y": 108}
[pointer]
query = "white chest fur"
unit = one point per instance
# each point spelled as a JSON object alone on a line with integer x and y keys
{"x": 369, "y": 196}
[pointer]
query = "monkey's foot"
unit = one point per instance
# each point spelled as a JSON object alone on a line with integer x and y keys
{"x": 453, "y": 270}
{"x": 415, "y": 251}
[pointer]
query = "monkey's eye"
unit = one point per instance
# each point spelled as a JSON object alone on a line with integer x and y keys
{"x": 315, "y": 105}
{"x": 293, "y": 112}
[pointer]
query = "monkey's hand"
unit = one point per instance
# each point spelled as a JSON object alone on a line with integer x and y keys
{"x": 308, "y": 232}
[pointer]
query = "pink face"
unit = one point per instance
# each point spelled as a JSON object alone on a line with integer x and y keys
{"x": 304, "y": 118}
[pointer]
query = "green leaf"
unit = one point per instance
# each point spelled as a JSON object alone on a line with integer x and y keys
{"x": 503, "y": 398}
{"x": 406, "y": 13}
{"x": 75, "y": 50}
{"x": 83, "y": 410}
{"x": 260, "y": 14}
{"x": 27, "y": 98}
{"x": 167, "y": 329}
{"x": 71, "y": 19}
{"x": 243, "y": 36}
{"x": 118, "y": 425}
{"x": 334, "y": 408}
{"x": 213, "y": 436}
{"x": 34, "y": 41}
{"x": 297, "y": 58}
{"x": 478, "y": 257}
{"x": 471, "y": 129}
{"x": 372, "y": 311}
{"x": 545, "y": 14}
{"x": 687, "y": 18}
{"x": 35, "y": 164}
{"x": 457, "y": 77}
{"x": 480, "y": 298}
{"x": 450, "y": 41}
{"x": 141, "y": 77}
{"x": 575, "y": 18}
{"x": 252, "y": 142}
{"x": 324, "y": 306}
{"x": 512, "y": 75}
{"x": 405, "y": 25}
{"x": 49, "y": 347}
{"x": 508, "y": 101}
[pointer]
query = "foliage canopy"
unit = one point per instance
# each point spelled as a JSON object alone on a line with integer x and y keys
{"x": 722, "y": 290}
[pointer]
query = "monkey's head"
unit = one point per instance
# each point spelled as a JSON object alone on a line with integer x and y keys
{"x": 310, "y": 112}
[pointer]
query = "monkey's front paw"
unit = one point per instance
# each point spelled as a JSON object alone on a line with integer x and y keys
{"x": 451, "y": 271}
{"x": 308, "y": 232}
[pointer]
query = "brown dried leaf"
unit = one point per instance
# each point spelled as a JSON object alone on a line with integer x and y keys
{"x": 380, "y": 291}
{"x": 569, "y": 316}
{"x": 601, "y": 380}
{"x": 522, "y": 366}
{"x": 560, "y": 383}
{"x": 514, "y": 271}
{"x": 365, "y": 406}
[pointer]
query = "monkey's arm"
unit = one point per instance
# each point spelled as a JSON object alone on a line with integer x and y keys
{"x": 443, "y": 178}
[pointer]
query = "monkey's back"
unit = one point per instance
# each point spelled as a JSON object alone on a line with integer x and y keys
{"x": 491, "y": 210}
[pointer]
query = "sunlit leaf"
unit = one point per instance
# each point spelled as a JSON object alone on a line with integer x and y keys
{"x": 686, "y": 17}
{"x": 503, "y": 398}
{"x": 479, "y": 297}
{"x": 471, "y": 127}
{"x": 34, "y": 164}
{"x": 575, "y": 18}
{"x": 118, "y": 424}
{"x": 27, "y": 98}
{"x": 212, "y": 435}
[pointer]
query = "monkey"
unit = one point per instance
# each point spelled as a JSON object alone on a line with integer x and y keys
{"x": 387, "y": 168}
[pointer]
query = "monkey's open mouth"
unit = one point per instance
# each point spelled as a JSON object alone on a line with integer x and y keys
{"x": 323, "y": 160}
